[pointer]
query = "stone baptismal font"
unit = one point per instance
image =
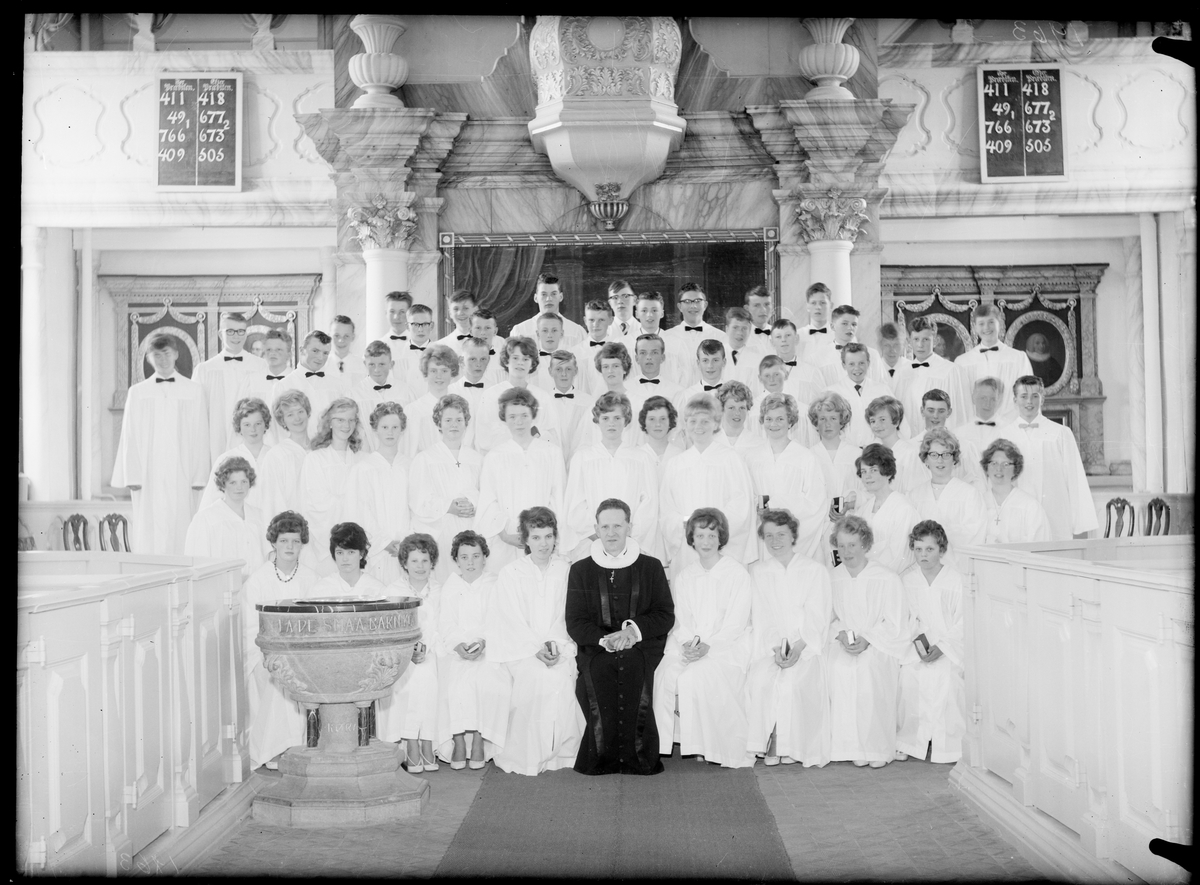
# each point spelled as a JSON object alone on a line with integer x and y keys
{"x": 336, "y": 656}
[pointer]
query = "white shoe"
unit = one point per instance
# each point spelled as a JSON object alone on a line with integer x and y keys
{"x": 877, "y": 764}
{"x": 771, "y": 760}
{"x": 900, "y": 757}
{"x": 860, "y": 763}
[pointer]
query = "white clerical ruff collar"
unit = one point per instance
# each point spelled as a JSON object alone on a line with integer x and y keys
{"x": 626, "y": 558}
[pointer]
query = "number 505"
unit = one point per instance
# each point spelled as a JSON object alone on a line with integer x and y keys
{"x": 212, "y": 155}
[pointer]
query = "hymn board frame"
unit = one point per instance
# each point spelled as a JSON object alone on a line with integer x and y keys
{"x": 167, "y": 129}
{"x": 1052, "y": 118}
{"x": 768, "y": 237}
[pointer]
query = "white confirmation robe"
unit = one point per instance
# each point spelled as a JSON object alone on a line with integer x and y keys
{"x": 279, "y": 476}
{"x": 1054, "y": 475}
{"x": 377, "y": 499}
{"x": 276, "y": 721}
{"x": 514, "y": 479}
{"x": 436, "y": 478}
{"x": 527, "y": 608}
{"x": 222, "y": 380}
{"x": 716, "y": 477}
{"x": 596, "y": 474}
{"x": 792, "y": 602}
{"x": 163, "y": 449}
{"x": 472, "y": 695}
{"x": 411, "y": 710}
{"x": 323, "y": 481}
{"x": 890, "y": 525}
{"x": 794, "y": 481}
{"x": 1019, "y": 520}
{"x": 863, "y": 687}
{"x": 219, "y": 533}
{"x": 257, "y": 496}
{"x": 959, "y": 510}
{"x": 933, "y": 704}
{"x": 714, "y": 605}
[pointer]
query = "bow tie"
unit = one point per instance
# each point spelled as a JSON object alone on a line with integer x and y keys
{"x": 892, "y": 373}
{"x": 461, "y": 337}
{"x": 545, "y": 353}
{"x": 693, "y": 328}
{"x": 815, "y": 331}
{"x": 341, "y": 366}
{"x": 708, "y": 387}
{"x": 383, "y": 387}
{"x": 758, "y": 331}
{"x": 988, "y": 423}
{"x": 986, "y": 349}
{"x": 564, "y": 396}
{"x": 473, "y": 384}
{"x": 274, "y": 377}
{"x": 398, "y": 337}
{"x": 164, "y": 380}
{"x": 918, "y": 365}
{"x": 310, "y": 374}
{"x": 1028, "y": 426}
{"x": 416, "y": 347}
{"x": 648, "y": 380}
{"x": 229, "y": 358}
{"x": 791, "y": 363}
{"x": 838, "y": 346}
{"x": 597, "y": 343}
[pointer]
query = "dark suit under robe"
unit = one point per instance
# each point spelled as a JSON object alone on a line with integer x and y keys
{"x": 614, "y": 688}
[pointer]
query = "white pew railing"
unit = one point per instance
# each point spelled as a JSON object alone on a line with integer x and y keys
{"x": 1079, "y": 685}
{"x": 131, "y": 713}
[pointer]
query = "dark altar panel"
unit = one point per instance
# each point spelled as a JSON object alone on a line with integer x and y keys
{"x": 502, "y": 270}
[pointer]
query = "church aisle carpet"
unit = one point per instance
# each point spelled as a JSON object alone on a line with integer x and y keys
{"x": 902, "y": 822}
{"x": 694, "y": 820}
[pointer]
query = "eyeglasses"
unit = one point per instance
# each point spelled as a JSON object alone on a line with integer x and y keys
{"x": 690, "y": 301}
{"x": 994, "y": 463}
{"x": 420, "y": 325}
{"x": 939, "y": 456}
{"x": 236, "y": 331}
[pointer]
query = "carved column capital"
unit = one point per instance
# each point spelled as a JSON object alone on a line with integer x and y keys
{"x": 831, "y": 217}
{"x": 379, "y": 227}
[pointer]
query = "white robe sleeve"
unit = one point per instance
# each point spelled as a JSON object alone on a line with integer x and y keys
{"x": 818, "y": 614}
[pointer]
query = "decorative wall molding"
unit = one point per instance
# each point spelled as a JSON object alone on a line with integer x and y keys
{"x": 918, "y": 134}
{"x": 832, "y": 217}
{"x": 379, "y": 227}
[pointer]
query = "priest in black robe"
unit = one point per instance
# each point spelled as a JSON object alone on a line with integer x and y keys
{"x": 619, "y": 611}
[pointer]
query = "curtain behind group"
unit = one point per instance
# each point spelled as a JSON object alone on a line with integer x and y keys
{"x": 502, "y": 278}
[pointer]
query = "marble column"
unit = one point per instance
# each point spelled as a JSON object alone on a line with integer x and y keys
{"x": 1176, "y": 286}
{"x": 1135, "y": 360}
{"x": 1152, "y": 348}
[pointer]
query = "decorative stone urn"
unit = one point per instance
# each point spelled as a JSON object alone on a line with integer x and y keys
{"x": 828, "y": 61}
{"x": 335, "y": 656}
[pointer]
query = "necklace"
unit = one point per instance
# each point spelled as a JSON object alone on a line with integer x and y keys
{"x": 280, "y": 576}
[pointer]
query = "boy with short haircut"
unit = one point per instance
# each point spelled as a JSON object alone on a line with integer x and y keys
{"x": 785, "y": 343}
{"x": 928, "y": 372}
{"x": 744, "y": 352}
{"x": 397, "y": 304}
{"x": 485, "y": 327}
{"x": 548, "y": 295}
{"x": 858, "y": 389}
{"x": 519, "y": 360}
{"x": 992, "y": 358}
{"x": 598, "y": 318}
{"x": 815, "y": 334}
{"x": 549, "y": 328}
{"x": 376, "y": 387}
{"x": 981, "y": 430}
{"x": 420, "y": 335}
{"x": 461, "y": 307}
{"x": 478, "y": 373}
{"x": 935, "y": 413}
{"x": 277, "y": 351}
{"x": 570, "y": 404}
{"x": 844, "y": 329}
{"x": 340, "y": 359}
{"x": 760, "y": 305}
{"x": 650, "y": 311}
{"x": 776, "y": 377}
{"x": 1053, "y": 474}
{"x": 895, "y": 368}
{"x": 311, "y": 378}
{"x": 622, "y": 300}
{"x": 650, "y": 355}
{"x": 222, "y": 376}
{"x": 711, "y": 363}
{"x": 686, "y": 337}
{"x": 162, "y": 457}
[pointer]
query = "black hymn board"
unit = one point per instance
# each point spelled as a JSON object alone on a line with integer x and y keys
{"x": 1021, "y": 135}
{"x": 200, "y": 131}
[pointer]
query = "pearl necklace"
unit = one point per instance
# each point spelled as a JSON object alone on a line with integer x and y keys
{"x": 281, "y": 578}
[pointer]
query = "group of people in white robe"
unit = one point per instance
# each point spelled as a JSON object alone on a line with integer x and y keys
{"x": 466, "y": 434}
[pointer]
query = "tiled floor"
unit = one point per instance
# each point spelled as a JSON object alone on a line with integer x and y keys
{"x": 838, "y": 823}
